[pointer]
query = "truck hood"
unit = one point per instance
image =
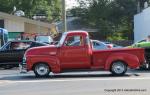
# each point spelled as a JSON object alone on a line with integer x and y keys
{"x": 43, "y": 50}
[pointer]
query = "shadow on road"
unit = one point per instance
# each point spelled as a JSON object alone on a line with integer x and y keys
{"x": 32, "y": 77}
{"x": 15, "y": 76}
{"x": 140, "y": 71}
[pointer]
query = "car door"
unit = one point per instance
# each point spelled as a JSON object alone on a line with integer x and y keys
{"x": 15, "y": 52}
{"x": 5, "y": 54}
{"x": 74, "y": 56}
{"x": 19, "y": 49}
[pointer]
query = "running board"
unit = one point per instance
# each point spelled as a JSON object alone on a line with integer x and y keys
{"x": 81, "y": 70}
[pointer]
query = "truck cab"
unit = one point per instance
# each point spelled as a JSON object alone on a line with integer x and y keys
{"x": 66, "y": 56}
{"x": 75, "y": 55}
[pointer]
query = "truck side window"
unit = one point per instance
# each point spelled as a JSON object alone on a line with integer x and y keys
{"x": 74, "y": 41}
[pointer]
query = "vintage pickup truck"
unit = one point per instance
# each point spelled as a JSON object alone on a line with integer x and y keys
{"x": 66, "y": 56}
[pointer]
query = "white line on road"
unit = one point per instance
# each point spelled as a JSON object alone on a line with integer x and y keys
{"x": 72, "y": 80}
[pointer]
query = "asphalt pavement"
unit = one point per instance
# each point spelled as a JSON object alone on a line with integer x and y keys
{"x": 135, "y": 82}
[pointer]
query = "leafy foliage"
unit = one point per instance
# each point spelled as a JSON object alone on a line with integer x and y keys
{"x": 113, "y": 18}
{"x": 50, "y": 8}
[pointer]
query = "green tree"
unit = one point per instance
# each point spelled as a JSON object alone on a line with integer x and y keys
{"x": 121, "y": 15}
{"x": 113, "y": 18}
{"x": 50, "y": 8}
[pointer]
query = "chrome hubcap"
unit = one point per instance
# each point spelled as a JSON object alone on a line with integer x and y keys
{"x": 42, "y": 69}
{"x": 118, "y": 67}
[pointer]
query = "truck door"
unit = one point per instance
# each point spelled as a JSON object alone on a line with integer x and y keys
{"x": 74, "y": 54}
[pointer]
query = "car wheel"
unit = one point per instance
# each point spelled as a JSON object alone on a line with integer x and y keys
{"x": 118, "y": 68}
{"x": 41, "y": 70}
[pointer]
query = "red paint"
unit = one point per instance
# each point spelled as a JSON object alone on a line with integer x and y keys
{"x": 82, "y": 57}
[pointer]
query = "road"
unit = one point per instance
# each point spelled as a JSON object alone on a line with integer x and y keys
{"x": 135, "y": 82}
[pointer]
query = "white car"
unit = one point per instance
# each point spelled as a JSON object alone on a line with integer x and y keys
{"x": 44, "y": 39}
{"x": 97, "y": 45}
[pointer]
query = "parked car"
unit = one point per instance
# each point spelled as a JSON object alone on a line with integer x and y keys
{"x": 44, "y": 39}
{"x": 98, "y": 45}
{"x": 142, "y": 44}
{"x": 12, "y": 52}
{"x": 65, "y": 57}
{"x": 113, "y": 45}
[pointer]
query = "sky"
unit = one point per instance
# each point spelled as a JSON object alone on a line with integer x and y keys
{"x": 71, "y": 3}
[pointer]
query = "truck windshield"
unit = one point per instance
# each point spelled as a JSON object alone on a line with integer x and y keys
{"x": 62, "y": 40}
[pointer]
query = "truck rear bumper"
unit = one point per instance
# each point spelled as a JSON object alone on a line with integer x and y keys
{"x": 146, "y": 65}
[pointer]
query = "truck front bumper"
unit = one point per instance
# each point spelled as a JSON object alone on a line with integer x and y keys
{"x": 23, "y": 68}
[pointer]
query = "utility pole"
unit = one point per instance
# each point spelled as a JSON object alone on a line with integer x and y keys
{"x": 138, "y": 6}
{"x": 64, "y": 16}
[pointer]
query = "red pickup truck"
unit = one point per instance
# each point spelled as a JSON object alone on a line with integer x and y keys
{"x": 66, "y": 56}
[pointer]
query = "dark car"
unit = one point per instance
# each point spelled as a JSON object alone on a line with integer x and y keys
{"x": 12, "y": 52}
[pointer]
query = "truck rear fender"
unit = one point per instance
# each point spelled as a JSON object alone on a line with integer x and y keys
{"x": 130, "y": 60}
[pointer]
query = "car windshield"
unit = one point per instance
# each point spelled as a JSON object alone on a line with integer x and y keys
{"x": 5, "y": 46}
{"x": 141, "y": 41}
{"x": 44, "y": 39}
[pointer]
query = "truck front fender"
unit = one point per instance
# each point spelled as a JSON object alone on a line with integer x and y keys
{"x": 52, "y": 61}
{"x": 130, "y": 60}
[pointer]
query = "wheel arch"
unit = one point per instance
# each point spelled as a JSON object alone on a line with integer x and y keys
{"x": 33, "y": 66}
{"x": 52, "y": 62}
{"x": 131, "y": 60}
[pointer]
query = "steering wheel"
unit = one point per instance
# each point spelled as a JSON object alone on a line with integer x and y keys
{"x": 66, "y": 44}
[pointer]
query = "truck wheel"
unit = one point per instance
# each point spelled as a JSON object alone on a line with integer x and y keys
{"x": 118, "y": 68}
{"x": 41, "y": 70}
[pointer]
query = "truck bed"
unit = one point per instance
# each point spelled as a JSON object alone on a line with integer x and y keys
{"x": 101, "y": 56}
